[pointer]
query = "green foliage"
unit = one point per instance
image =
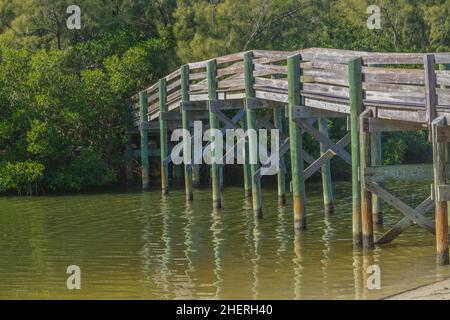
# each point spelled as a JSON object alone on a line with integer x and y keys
{"x": 21, "y": 176}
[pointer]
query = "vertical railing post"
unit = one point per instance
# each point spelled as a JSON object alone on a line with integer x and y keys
{"x": 440, "y": 177}
{"x": 163, "y": 136}
{"x": 366, "y": 196}
{"x": 187, "y": 145}
{"x": 326, "y": 171}
{"x": 129, "y": 148}
{"x": 211, "y": 70}
{"x": 356, "y": 95}
{"x": 296, "y": 144}
{"x": 143, "y": 117}
{"x": 252, "y": 135}
{"x": 278, "y": 114}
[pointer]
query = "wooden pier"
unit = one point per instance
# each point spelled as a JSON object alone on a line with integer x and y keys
{"x": 375, "y": 92}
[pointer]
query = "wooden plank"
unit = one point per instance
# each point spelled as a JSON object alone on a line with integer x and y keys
{"x": 274, "y": 83}
{"x": 403, "y": 172}
{"x": 386, "y": 125}
{"x": 303, "y": 112}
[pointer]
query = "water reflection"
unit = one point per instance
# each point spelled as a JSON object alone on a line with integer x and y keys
{"x": 144, "y": 246}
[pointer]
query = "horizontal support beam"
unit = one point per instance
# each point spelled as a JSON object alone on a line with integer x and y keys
{"x": 303, "y": 112}
{"x": 405, "y": 172}
{"x": 254, "y": 103}
{"x": 385, "y": 125}
{"x": 150, "y": 125}
{"x": 170, "y": 116}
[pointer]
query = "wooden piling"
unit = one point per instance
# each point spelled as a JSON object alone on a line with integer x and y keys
{"x": 163, "y": 137}
{"x": 440, "y": 177}
{"x": 296, "y": 144}
{"x": 278, "y": 115}
{"x": 326, "y": 171}
{"x": 366, "y": 196}
{"x": 252, "y": 139}
{"x": 246, "y": 165}
{"x": 211, "y": 70}
{"x": 186, "y": 127}
{"x": 376, "y": 160}
{"x": 144, "y": 139}
{"x": 355, "y": 92}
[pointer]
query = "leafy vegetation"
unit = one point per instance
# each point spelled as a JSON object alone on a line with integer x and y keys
{"x": 64, "y": 93}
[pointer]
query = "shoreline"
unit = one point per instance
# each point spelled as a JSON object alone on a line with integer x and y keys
{"x": 439, "y": 290}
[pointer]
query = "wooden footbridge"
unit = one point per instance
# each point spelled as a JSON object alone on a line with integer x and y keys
{"x": 375, "y": 92}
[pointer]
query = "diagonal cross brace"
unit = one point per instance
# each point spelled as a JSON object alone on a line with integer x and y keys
{"x": 339, "y": 150}
{"x": 317, "y": 164}
{"x": 230, "y": 125}
{"x": 411, "y": 213}
{"x": 405, "y": 222}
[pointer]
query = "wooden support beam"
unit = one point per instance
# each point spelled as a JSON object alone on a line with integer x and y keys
{"x": 406, "y": 222}
{"x": 163, "y": 137}
{"x": 246, "y": 165}
{"x": 296, "y": 144}
{"x": 326, "y": 156}
{"x": 400, "y": 205}
{"x": 356, "y": 105}
{"x": 129, "y": 148}
{"x": 304, "y": 112}
{"x": 377, "y": 125}
{"x": 144, "y": 140}
{"x": 278, "y": 116}
{"x": 430, "y": 87}
{"x": 440, "y": 178}
{"x": 376, "y": 160}
{"x": 366, "y": 196}
{"x": 187, "y": 144}
{"x": 326, "y": 170}
{"x": 341, "y": 152}
{"x": 211, "y": 70}
{"x": 252, "y": 139}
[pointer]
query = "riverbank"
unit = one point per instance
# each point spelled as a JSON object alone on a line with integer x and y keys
{"x": 436, "y": 291}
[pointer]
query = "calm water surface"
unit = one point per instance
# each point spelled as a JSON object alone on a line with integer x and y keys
{"x": 142, "y": 246}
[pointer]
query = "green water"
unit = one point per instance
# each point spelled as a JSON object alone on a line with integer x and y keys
{"x": 135, "y": 245}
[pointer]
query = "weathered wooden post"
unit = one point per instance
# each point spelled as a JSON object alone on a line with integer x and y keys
{"x": 440, "y": 177}
{"x": 326, "y": 170}
{"x": 355, "y": 92}
{"x": 195, "y": 175}
{"x": 252, "y": 138}
{"x": 376, "y": 160}
{"x": 211, "y": 70}
{"x": 163, "y": 136}
{"x": 185, "y": 119}
{"x": 296, "y": 144}
{"x": 129, "y": 148}
{"x": 144, "y": 139}
{"x": 246, "y": 166}
{"x": 366, "y": 196}
{"x": 281, "y": 175}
